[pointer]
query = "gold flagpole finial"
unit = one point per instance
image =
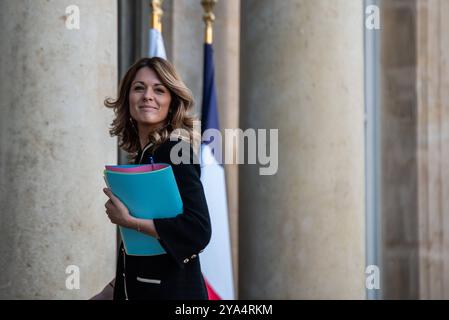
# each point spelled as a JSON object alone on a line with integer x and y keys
{"x": 208, "y": 18}
{"x": 156, "y": 14}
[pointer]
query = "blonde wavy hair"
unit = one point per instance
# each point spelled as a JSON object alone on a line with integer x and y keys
{"x": 179, "y": 122}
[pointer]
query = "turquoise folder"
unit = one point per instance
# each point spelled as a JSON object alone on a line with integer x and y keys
{"x": 147, "y": 195}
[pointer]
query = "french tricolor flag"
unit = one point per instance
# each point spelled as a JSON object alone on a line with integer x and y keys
{"x": 216, "y": 259}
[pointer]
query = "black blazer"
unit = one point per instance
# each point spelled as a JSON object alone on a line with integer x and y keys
{"x": 177, "y": 274}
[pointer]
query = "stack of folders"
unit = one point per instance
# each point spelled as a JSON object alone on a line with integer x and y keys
{"x": 149, "y": 192}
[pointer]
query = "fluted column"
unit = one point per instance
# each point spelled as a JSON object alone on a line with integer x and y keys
{"x": 432, "y": 123}
{"x": 398, "y": 126}
{"x": 54, "y": 144}
{"x": 302, "y": 229}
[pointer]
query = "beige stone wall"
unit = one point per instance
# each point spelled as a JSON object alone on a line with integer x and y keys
{"x": 415, "y": 149}
{"x": 54, "y": 143}
{"x": 398, "y": 144}
{"x": 433, "y": 147}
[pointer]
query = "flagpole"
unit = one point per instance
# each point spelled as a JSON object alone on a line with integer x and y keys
{"x": 208, "y": 18}
{"x": 156, "y": 15}
{"x": 156, "y": 46}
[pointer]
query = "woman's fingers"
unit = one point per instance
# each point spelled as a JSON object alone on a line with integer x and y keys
{"x": 111, "y": 196}
{"x": 108, "y": 204}
{"x": 115, "y": 209}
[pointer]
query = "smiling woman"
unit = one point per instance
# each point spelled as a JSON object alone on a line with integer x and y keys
{"x": 149, "y": 101}
{"x": 153, "y": 104}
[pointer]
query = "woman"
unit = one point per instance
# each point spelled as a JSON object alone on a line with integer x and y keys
{"x": 154, "y": 103}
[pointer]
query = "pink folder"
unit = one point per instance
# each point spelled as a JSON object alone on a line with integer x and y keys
{"x": 137, "y": 168}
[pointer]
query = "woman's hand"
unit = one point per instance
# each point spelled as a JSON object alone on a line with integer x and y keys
{"x": 117, "y": 212}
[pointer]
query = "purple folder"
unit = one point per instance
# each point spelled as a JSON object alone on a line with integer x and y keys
{"x": 136, "y": 168}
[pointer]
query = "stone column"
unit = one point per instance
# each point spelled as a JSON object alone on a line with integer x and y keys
{"x": 54, "y": 144}
{"x": 302, "y": 229}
